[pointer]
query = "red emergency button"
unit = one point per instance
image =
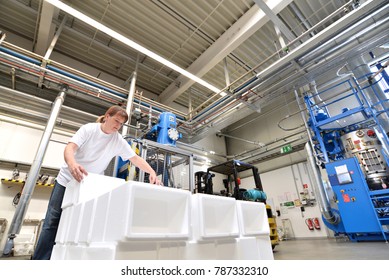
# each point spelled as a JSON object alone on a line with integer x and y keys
{"x": 371, "y": 133}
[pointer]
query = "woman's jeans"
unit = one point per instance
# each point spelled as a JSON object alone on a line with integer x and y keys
{"x": 46, "y": 240}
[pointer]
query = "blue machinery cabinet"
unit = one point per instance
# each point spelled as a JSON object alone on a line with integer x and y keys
{"x": 364, "y": 213}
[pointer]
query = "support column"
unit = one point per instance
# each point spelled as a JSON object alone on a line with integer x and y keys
{"x": 29, "y": 187}
{"x": 130, "y": 98}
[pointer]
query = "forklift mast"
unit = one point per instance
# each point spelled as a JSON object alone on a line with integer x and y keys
{"x": 232, "y": 168}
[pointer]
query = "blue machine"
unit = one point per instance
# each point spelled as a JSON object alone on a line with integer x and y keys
{"x": 355, "y": 202}
{"x": 351, "y": 144}
{"x": 165, "y": 132}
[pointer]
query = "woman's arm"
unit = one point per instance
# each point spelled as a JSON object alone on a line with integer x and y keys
{"x": 142, "y": 164}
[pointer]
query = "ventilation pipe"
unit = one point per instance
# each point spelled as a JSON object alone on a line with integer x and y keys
{"x": 375, "y": 95}
{"x": 29, "y": 187}
{"x": 324, "y": 202}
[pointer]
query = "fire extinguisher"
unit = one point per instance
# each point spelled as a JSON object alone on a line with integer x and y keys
{"x": 309, "y": 223}
{"x": 316, "y": 223}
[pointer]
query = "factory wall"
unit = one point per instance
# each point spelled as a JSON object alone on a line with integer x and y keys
{"x": 282, "y": 177}
{"x": 284, "y": 188}
{"x": 264, "y": 128}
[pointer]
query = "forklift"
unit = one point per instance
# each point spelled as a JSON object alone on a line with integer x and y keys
{"x": 204, "y": 184}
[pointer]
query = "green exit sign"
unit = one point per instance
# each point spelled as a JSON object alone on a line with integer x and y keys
{"x": 286, "y": 149}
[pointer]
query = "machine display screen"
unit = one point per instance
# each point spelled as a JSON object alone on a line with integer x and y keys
{"x": 343, "y": 174}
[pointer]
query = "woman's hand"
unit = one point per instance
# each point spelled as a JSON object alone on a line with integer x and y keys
{"x": 154, "y": 179}
{"x": 77, "y": 171}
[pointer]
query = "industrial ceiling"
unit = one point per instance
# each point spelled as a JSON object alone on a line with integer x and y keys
{"x": 254, "y": 54}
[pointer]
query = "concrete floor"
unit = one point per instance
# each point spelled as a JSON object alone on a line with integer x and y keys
{"x": 318, "y": 249}
{"x": 330, "y": 249}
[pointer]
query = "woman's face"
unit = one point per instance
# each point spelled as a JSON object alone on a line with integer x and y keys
{"x": 112, "y": 123}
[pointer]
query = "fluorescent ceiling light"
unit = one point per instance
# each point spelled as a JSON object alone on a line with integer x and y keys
{"x": 130, "y": 43}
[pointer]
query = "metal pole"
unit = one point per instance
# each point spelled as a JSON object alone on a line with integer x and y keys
{"x": 29, "y": 187}
{"x": 130, "y": 98}
{"x": 191, "y": 174}
{"x": 226, "y": 74}
{"x": 144, "y": 156}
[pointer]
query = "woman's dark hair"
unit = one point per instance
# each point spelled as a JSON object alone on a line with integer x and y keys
{"x": 112, "y": 111}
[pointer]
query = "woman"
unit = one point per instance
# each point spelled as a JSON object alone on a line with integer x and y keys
{"x": 89, "y": 150}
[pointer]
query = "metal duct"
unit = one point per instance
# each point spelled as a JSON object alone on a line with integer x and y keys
{"x": 324, "y": 202}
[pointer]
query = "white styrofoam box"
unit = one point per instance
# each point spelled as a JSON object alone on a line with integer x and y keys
{"x": 100, "y": 218}
{"x": 75, "y": 252}
{"x": 252, "y": 218}
{"x": 248, "y": 249}
{"x": 137, "y": 250}
{"x": 264, "y": 247}
{"x": 63, "y": 227}
{"x": 58, "y": 252}
{"x": 100, "y": 251}
{"x": 172, "y": 250}
{"x": 214, "y": 217}
{"x": 92, "y": 186}
{"x": 227, "y": 249}
{"x": 72, "y": 192}
{"x": 200, "y": 250}
{"x": 144, "y": 211}
{"x": 75, "y": 223}
{"x": 87, "y": 221}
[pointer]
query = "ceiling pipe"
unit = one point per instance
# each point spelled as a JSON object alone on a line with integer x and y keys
{"x": 276, "y": 53}
{"x": 104, "y": 87}
{"x": 300, "y": 17}
{"x": 220, "y": 114}
{"x": 255, "y": 152}
{"x": 256, "y": 83}
{"x": 256, "y": 143}
{"x": 55, "y": 74}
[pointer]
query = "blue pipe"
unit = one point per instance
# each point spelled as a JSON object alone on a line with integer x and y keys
{"x": 245, "y": 84}
{"x": 75, "y": 77}
{"x": 57, "y": 70}
{"x": 217, "y": 103}
{"x": 18, "y": 55}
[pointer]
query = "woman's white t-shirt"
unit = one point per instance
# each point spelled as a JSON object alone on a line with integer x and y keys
{"x": 95, "y": 150}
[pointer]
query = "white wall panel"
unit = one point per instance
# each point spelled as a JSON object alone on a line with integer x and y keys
{"x": 285, "y": 184}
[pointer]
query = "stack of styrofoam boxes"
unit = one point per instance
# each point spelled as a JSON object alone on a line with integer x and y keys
{"x": 214, "y": 228}
{"x": 108, "y": 218}
{"x": 254, "y": 240}
{"x": 79, "y": 207}
{"x": 130, "y": 220}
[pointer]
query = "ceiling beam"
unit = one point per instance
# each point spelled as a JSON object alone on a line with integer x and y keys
{"x": 46, "y": 29}
{"x": 275, "y": 19}
{"x": 246, "y": 26}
